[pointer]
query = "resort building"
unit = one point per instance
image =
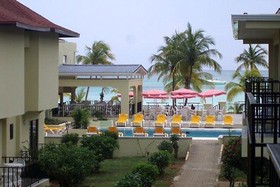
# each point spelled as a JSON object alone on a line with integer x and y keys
{"x": 28, "y": 76}
{"x": 261, "y": 131}
{"x": 67, "y": 52}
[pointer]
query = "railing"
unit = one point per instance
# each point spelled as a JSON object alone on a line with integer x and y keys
{"x": 67, "y": 109}
{"x": 262, "y": 112}
{"x": 16, "y": 174}
{"x": 274, "y": 169}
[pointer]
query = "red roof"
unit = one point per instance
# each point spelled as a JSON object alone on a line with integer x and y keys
{"x": 13, "y": 12}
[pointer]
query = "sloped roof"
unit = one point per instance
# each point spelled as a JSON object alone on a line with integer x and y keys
{"x": 14, "y": 13}
{"x": 101, "y": 70}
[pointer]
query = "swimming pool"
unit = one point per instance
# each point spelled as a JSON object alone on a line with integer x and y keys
{"x": 190, "y": 132}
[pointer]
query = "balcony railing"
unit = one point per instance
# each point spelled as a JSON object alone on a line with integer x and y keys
{"x": 14, "y": 173}
{"x": 262, "y": 112}
{"x": 274, "y": 171}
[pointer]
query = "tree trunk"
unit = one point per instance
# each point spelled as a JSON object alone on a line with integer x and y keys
{"x": 87, "y": 90}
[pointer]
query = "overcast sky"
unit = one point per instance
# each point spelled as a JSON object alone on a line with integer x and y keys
{"x": 134, "y": 29}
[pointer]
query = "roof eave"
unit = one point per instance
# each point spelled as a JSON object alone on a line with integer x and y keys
{"x": 249, "y": 17}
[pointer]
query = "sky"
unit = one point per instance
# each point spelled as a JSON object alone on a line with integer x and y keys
{"x": 134, "y": 29}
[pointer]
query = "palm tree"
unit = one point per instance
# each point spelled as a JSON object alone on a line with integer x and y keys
{"x": 252, "y": 58}
{"x": 195, "y": 52}
{"x": 79, "y": 96}
{"x": 235, "y": 88}
{"x": 99, "y": 53}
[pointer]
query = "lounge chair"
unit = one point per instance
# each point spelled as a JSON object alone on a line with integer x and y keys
{"x": 228, "y": 121}
{"x": 209, "y": 121}
{"x": 138, "y": 120}
{"x": 92, "y": 131}
{"x": 195, "y": 121}
{"x": 177, "y": 131}
{"x": 139, "y": 131}
{"x": 161, "y": 120}
{"x": 122, "y": 120}
{"x": 53, "y": 130}
{"x": 115, "y": 130}
{"x": 159, "y": 131}
{"x": 176, "y": 120}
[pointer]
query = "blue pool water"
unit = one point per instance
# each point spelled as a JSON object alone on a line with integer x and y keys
{"x": 191, "y": 132}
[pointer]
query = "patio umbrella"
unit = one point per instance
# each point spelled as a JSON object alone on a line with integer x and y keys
{"x": 184, "y": 91}
{"x": 186, "y": 96}
{"x": 150, "y": 93}
{"x": 211, "y": 93}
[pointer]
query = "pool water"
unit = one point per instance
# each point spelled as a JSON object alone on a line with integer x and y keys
{"x": 190, "y": 132}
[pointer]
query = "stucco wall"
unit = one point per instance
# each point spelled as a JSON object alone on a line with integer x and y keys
{"x": 41, "y": 73}
{"x": 11, "y": 72}
{"x": 69, "y": 50}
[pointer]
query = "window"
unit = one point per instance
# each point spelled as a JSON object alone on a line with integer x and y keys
{"x": 11, "y": 131}
{"x": 64, "y": 60}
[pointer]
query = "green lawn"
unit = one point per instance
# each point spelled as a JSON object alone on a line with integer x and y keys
{"x": 114, "y": 169}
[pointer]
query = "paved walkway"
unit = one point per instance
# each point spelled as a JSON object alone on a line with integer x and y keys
{"x": 202, "y": 166}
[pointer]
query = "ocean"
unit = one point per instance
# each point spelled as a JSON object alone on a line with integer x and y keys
{"x": 153, "y": 83}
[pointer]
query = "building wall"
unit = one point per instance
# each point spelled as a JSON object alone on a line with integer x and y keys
{"x": 11, "y": 72}
{"x": 41, "y": 74}
{"x": 67, "y": 52}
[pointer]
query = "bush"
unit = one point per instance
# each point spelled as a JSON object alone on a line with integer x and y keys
{"x": 147, "y": 173}
{"x": 81, "y": 118}
{"x": 114, "y": 135}
{"x": 71, "y": 138}
{"x": 132, "y": 179}
{"x": 103, "y": 146}
{"x": 99, "y": 114}
{"x": 52, "y": 121}
{"x": 165, "y": 146}
{"x": 161, "y": 159}
{"x": 67, "y": 164}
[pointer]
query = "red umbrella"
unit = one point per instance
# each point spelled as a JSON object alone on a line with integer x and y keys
{"x": 182, "y": 96}
{"x": 149, "y": 93}
{"x": 157, "y": 96}
{"x": 184, "y": 91}
{"x": 211, "y": 93}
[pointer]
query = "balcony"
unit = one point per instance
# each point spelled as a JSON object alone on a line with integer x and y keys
{"x": 20, "y": 171}
{"x": 262, "y": 117}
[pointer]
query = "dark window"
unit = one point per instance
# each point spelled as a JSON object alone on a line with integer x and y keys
{"x": 11, "y": 131}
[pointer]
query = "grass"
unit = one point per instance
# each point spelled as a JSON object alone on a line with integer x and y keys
{"x": 114, "y": 169}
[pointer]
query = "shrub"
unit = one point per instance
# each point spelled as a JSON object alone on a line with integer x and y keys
{"x": 232, "y": 161}
{"x": 103, "y": 146}
{"x": 161, "y": 159}
{"x": 165, "y": 146}
{"x": 174, "y": 140}
{"x": 71, "y": 138}
{"x": 99, "y": 114}
{"x": 110, "y": 134}
{"x": 81, "y": 118}
{"x": 52, "y": 121}
{"x": 129, "y": 180}
{"x": 67, "y": 164}
{"x": 147, "y": 173}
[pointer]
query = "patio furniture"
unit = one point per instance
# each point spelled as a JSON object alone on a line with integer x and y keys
{"x": 176, "y": 120}
{"x": 122, "y": 120}
{"x": 161, "y": 120}
{"x": 140, "y": 131}
{"x": 195, "y": 121}
{"x": 138, "y": 120}
{"x": 159, "y": 131}
{"x": 209, "y": 121}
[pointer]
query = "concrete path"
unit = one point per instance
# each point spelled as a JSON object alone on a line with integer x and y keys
{"x": 201, "y": 168}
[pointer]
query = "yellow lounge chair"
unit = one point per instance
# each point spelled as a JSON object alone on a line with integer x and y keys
{"x": 139, "y": 131}
{"x": 122, "y": 120}
{"x": 161, "y": 120}
{"x": 177, "y": 131}
{"x": 228, "y": 121}
{"x": 195, "y": 121}
{"x": 209, "y": 121}
{"x": 176, "y": 120}
{"x": 115, "y": 130}
{"x": 138, "y": 120}
{"x": 92, "y": 131}
{"x": 53, "y": 130}
{"x": 159, "y": 131}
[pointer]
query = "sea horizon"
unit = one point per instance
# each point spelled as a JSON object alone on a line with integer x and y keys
{"x": 153, "y": 83}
